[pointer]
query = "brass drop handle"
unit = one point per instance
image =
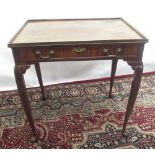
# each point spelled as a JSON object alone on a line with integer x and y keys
{"x": 79, "y": 49}
{"x": 50, "y": 54}
{"x": 119, "y": 51}
{"x": 105, "y": 51}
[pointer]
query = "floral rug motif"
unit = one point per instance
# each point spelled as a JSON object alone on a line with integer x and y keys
{"x": 80, "y": 115}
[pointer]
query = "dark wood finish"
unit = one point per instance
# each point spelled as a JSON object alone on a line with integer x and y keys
{"x": 19, "y": 70}
{"x": 113, "y": 71}
{"x": 61, "y": 53}
{"x": 38, "y": 71}
{"x": 33, "y": 48}
{"x": 138, "y": 70}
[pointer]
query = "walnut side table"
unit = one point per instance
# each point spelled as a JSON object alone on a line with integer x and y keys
{"x": 77, "y": 40}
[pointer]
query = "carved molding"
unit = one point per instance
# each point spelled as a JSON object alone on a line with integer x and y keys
{"x": 135, "y": 65}
{"x": 21, "y": 69}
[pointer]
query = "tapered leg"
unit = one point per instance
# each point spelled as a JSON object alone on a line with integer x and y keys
{"x": 38, "y": 71}
{"x": 138, "y": 69}
{"x": 113, "y": 71}
{"x": 19, "y": 70}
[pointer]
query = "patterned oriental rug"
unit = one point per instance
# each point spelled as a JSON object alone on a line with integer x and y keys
{"x": 80, "y": 115}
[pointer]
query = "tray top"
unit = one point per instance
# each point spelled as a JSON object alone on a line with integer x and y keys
{"x": 65, "y": 31}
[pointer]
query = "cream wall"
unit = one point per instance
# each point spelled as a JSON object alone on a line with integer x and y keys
{"x": 139, "y": 13}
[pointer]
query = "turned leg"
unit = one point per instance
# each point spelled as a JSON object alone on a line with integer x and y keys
{"x": 38, "y": 71}
{"x": 19, "y": 70}
{"x": 113, "y": 71}
{"x": 138, "y": 70}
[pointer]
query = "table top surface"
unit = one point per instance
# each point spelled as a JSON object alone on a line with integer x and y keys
{"x": 66, "y": 31}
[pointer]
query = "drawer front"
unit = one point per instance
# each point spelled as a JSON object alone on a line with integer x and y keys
{"x": 76, "y": 52}
{"x": 121, "y": 51}
{"x": 66, "y": 52}
{"x": 54, "y": 53}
